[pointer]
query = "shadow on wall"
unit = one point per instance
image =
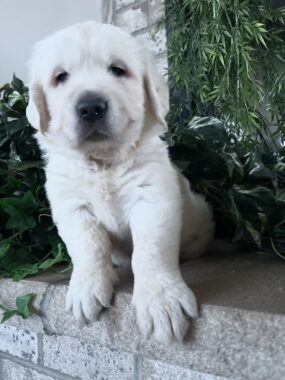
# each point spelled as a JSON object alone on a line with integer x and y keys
{"x": 22, "y": 23}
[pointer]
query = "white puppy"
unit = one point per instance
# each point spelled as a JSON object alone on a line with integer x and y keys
{"x": 99, "y": 106}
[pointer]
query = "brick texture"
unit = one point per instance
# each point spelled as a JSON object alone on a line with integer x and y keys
{"x": 156, "y": 10}
{"x": 20, "y": 343}
{"x": 155, "y": 370}
{"x": 156, "y": 42}
{"x": 87, "y": 360}
{"x": 13, "y": 371}
{"x": 134, "y": 18}
{"x": 123, "y": 3}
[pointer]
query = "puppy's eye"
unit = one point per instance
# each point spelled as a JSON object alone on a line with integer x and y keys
{"x": 61, "y": 77}
{"x": 118, "y": 71}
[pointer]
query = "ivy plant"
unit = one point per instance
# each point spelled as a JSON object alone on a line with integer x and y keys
{"x": 23, "y": 308}
{"x": 28, "y": 238}
{"x": 246, "y": 187}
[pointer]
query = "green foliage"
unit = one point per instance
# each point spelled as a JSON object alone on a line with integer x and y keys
{"x": 22, "y": 308}
{"x": 245, "y": 187}
{"x": 28, "y": 238}
{"x": 227, "y": 75}
{"x": 227, "y": 59}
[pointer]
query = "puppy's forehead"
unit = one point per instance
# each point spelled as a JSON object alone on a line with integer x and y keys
{"x": 88, "y": 43}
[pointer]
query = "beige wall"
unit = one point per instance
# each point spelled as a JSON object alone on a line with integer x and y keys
{"x": 23, "y": 22}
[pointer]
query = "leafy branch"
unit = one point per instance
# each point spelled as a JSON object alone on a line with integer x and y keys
{"x": 226, "y": 58}
{"x": 28, "y": 238}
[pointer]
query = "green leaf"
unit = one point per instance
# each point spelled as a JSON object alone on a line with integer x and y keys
{"x": 280, "y": 196}
{"x": 14, "y": 98}
{"x": 233, "y": 164}
{"x": 259, "y": 194}
{"x": 23, "y": 304}
{"x": 20, "y": 211}
{"x": 12, "y": 205}
{"x": 4, "y": 247}
{"x": 23, "y": 270}
{"x": 59, "y": 258}
{"x": 256, "y": 236}
{"x": 18, "y": 85}
{"x": 8, "y": 314}
{"x": 20, "y": 221}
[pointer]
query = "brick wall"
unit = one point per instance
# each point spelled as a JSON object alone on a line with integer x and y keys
{"x": 235, "y": 337}
{"x": 27, "y": 355}
{"x": 139, "y": 18}
{"x": 50, "y": 345}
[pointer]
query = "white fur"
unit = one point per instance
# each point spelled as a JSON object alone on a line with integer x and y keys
{"x": 122, "y": 192}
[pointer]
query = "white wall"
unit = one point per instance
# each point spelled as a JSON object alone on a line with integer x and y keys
{"x": 23, "y": 22}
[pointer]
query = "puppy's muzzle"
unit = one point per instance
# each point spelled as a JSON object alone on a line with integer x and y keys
{"x": 91, "y": 107}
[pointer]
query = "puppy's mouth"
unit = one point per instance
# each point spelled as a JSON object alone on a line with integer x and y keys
{"x": 96, "y": 132}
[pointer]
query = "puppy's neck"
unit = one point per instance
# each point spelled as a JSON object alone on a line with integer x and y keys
{"x": 104, "y": 159}
{"x": 97, "y": 160}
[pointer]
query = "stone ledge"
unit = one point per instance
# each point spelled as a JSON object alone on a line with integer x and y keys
{"x": 240, "y": 332}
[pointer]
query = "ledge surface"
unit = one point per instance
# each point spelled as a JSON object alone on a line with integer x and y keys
{"x": 240, "y": 333}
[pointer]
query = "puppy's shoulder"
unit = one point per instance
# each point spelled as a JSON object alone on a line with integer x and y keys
{"x": 153, "y": 149}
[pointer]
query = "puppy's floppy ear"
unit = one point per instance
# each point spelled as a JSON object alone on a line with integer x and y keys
{"x": 37, "y": 111}
{"x": 157, "y": 93}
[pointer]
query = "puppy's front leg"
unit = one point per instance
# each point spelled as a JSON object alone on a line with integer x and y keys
{"x": 88, "y": 244}
{"x": 161, "y": 297}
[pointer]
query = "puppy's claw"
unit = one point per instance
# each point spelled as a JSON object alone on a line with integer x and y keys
{"x": 161, "y": 310}
{"x": 189, "y": 304}
{"x": 89, "y": 293}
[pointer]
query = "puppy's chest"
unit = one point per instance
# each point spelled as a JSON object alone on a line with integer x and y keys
{"x": 106, "y": 197}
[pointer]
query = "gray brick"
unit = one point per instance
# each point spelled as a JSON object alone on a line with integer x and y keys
{"x": 155, "y": 370}
{"x": 134, "y": 18}
{"x": 156, "y": 42}
{"x": 87, "y": 360}
{"x": 20, "y": 343}
{"x": 14, "y": 371}
{"x": 156, "y": 10}
{"x": 123, "y": 3}
{"x": 162, "y": 66}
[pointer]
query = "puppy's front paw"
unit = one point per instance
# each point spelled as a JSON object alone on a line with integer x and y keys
{"x": 163, "y": 308}
{"x": 89, "y": 291}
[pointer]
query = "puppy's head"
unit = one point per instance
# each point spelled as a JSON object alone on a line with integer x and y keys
{"x": 94, "y": 88}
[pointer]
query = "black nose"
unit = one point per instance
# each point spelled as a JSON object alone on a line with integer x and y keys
{"x": 91, "y": 107}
